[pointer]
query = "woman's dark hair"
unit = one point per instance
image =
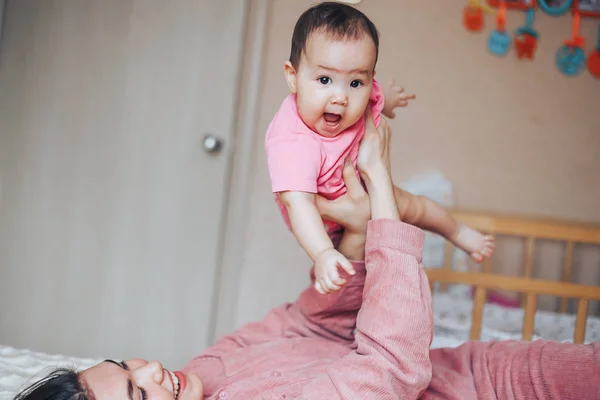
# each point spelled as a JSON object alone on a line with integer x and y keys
{"x": 341, "y": 21}
{"x": 61, "y": 384}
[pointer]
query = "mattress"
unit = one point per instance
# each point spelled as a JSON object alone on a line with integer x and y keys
{"x": 452, "y": 321}
{"x": 19, "y": 368}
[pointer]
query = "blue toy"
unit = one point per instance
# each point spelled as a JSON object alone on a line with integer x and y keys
{"x": 555, "y": 10}
{"x": 570, "y": 58}
{"x": 528, "y": 28}
{"x": 499, "y": 41}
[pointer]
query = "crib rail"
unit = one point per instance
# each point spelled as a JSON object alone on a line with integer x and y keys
{"x": 528, "y": 286}
{"x": 539, "y": 228}
{"x": 531, "y": 229}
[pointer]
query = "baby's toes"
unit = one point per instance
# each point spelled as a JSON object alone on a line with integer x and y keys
{"x": 477, "y": 257}
{"x": 487, "y": 251}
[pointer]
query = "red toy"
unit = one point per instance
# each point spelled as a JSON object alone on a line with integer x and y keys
{"x": 593, "y": 61}
{"x": 526, "y": 46}
{"x": 473, "y": 18}
{"x": 514, "y": 4}
{"x": 526, "y": 38}
{"x": 473, "y": 15}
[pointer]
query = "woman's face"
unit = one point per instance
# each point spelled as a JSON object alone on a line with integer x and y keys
{"x": 140, "y": 380}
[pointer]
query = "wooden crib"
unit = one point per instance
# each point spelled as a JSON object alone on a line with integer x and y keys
{"x": 529, "y": 229}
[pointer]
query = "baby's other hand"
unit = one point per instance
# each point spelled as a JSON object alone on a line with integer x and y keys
{"x": 327, "y": 277}
{"x": 394, "y": 96}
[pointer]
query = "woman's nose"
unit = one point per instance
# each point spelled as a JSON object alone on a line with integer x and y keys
{"x": 152, "y": 371}
{"x": 136, "y": 363}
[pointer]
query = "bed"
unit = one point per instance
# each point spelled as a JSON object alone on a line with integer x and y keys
{"x": 19, "y": 367}
{"x": 459, "y": 314}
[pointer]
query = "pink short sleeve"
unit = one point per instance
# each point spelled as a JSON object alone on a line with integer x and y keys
{"x": 377, "y": 102}
{"x": 294, "y": 161}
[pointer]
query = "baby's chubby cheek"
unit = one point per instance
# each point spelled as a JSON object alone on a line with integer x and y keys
{"x": 310, "y": 115}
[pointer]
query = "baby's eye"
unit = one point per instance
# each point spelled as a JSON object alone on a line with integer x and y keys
{"x": 324, "y": 80}
{"x": 355, "y": 84}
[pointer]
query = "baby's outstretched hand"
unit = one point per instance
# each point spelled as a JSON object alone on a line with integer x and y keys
{"x": 327, "y": 277}
{"x": 394, "y": 96}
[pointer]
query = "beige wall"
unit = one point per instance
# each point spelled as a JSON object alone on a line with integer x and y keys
{"x": 512, "y": 136}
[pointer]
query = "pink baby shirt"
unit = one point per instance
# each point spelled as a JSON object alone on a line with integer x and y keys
{"x": 299, "y": 159}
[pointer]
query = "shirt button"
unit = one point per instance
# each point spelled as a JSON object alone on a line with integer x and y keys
{"x": 276, "y": 373}
{"x": 223, "y": 395}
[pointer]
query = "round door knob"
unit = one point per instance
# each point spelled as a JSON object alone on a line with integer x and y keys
{"x": 212, "y": 144}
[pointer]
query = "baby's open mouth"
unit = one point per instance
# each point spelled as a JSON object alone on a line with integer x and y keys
{"x": 332, "y": 119}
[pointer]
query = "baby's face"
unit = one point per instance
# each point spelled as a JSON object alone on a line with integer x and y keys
{"x": 334, "y": 82}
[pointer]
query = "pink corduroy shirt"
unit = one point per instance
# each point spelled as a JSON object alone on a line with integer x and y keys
{"x": 310, "y": 349}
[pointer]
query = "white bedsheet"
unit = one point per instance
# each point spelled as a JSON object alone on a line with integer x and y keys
{"x": 452, "y": 321}
{"x": 452, "y": 317}
{"x": 18, "y": 368}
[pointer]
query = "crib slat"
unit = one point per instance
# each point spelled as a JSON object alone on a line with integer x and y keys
{"x": 478, "y": 303}
{"x": 487, "y": 265}
{"x": 528, "y": 319}
{"x": 448, "y": 252}
{"x": 566, "y": 277}
{"x": 528, "y": 266}
{"x": 581, "y": 321}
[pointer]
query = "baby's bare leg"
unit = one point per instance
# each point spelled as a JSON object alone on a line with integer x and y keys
{"x": 429, "y": 215}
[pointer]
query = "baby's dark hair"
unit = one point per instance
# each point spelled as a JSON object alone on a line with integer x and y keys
{"x": 340, "y": 21}
{"x": 61, "y": 384}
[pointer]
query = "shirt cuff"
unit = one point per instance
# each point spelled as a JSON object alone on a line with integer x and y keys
{"x": 397, "y": 235}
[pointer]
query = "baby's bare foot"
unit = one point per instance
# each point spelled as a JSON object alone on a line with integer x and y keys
{"x": 476, "y": 244}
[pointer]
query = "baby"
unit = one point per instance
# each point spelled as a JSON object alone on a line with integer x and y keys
{"x": 330, "y": 74}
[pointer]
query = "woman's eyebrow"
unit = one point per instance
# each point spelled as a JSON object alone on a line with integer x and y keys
{"x": 130, "y": 389}
{"x": 129, "y": 383}
{"x": 120, "y": 364}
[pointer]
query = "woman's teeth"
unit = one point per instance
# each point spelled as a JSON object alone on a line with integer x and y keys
{"x": 175, "y": 384}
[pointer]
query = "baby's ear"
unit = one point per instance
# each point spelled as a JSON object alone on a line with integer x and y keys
{"x": 290, "y": 76}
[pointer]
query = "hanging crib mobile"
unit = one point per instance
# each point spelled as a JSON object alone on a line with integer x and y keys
{"x": 499, "y": 41}
{"x": 570, "y": 58}
{"x": 526, "y": 38}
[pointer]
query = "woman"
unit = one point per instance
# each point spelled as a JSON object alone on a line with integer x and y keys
{"x": 368, "y": 340}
